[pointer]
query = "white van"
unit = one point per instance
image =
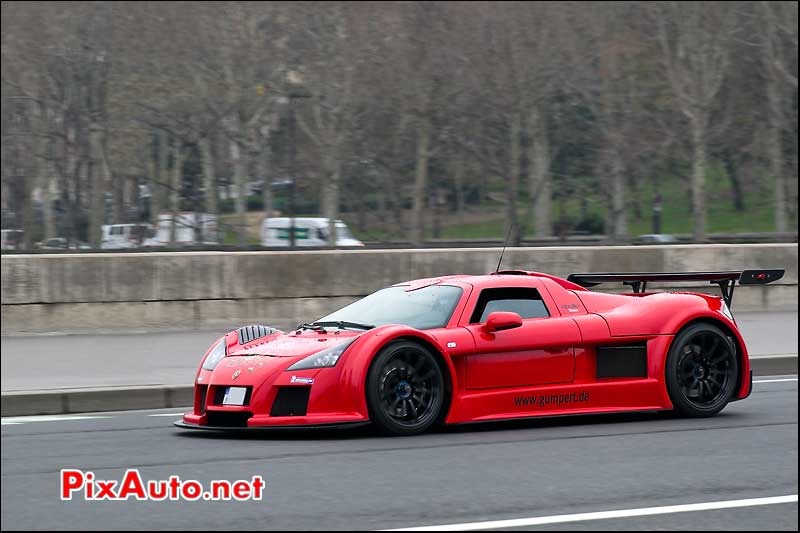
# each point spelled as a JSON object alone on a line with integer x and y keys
{"x": 185, "y": 225}
{"x": 116, "y": 236}
{"x": 307, "y": 232}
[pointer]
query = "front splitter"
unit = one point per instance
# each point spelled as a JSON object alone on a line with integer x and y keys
{"x": 255, "y": 429}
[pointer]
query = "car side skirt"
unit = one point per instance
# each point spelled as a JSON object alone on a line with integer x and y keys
{"x": 552, "y": 400}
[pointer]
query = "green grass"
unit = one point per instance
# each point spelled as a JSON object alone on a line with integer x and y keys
{"x": 489, "y": 219}
{"x": 721, "y": 216}
{"x": 478, "y": 230}
{"x": 676, "y": 216}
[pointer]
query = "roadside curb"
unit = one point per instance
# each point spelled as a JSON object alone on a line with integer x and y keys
{"x": 774, "y": 365}
{"x": 64, "y": 401}
{"x": 72, "y": 401}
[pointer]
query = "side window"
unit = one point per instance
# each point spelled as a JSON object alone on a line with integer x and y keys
{"x": 116, "y": 230}
{"x": 526, "y": 302}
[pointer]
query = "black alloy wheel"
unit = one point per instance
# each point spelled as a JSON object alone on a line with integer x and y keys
{"x": 405, "y": 389}
{"x": 702, "y": 370}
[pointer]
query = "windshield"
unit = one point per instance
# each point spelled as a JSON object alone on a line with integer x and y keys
{"x": 426, "y": 308}
{"x": 343, "y": 232}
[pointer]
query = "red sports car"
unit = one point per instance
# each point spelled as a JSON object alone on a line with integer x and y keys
{"x": 462, "y": 349}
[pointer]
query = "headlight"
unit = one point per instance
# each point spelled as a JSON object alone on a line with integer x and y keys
{"x": 326, "y": 358}
{"x": 216, "y": 355}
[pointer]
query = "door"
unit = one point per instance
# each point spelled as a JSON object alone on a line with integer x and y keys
{"x": 539, "y": 352}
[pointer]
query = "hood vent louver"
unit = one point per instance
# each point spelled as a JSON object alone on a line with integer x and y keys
{"x": 250, "y": 333}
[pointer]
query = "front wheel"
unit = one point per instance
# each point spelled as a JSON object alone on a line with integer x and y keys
{"x": 701, "y": 371}
{"x": 405, "y": 389}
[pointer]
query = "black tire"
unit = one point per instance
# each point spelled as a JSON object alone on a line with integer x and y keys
{"x": 405, "y": 389}
{"x": 701, "y": 371}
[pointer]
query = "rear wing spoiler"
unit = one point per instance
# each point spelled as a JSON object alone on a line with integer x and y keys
{"x": 638, "y": 280}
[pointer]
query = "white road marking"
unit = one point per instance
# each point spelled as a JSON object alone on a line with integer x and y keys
{"x": 773, "y": 380}
{"x": 4, "y": 423}
{"x": 169, "y": 414}
{"x": 603, "y": 515}
{"x": 25, "y": 419}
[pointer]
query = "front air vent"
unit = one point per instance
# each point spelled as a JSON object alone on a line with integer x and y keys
{"x": 291, "y": 401}
{"x": 228, "y": 419}
{"x": 251, "y": 333}
{"x": 200, "y": 399}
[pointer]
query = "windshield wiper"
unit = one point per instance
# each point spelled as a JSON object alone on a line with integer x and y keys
{"x": 342, "y": 324}
{"x": 314, "y": 326}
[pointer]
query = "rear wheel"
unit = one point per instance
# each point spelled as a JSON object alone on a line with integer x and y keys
{"x": 405, "y": 389}
{"x": 701, "y": 370}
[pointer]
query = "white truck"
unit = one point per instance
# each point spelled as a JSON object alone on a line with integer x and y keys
{"x": 307, "y": 232}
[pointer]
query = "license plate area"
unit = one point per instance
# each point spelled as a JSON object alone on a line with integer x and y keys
{"x": 234, "y": 396}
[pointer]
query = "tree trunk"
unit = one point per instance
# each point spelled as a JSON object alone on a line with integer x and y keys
{"x": 698, "y": 180}
{"x": 776, "y": 169}
{"x": 175, "y": 189}
{"x": 383, "y": 187}
{"x": 792, "y": 188}
{"x": 23, "y": 194}
{"x": 209, "y": 185}
{"x": 70, "y": 177}
{"x": 775, "y": 150}
{"x": 459, "y": 185}
{"x": 512, "y": 183}
{"x": 732, "y": 170}
{"x": 265, "y": 162}
{"x": 47, "y": 206}
{"x": 398, "y": 207}
{"x": 539, "y": 184}
{"x": 97, "y": 202}
{"x": 239, "y": 179}
{"x": 436, "y": 225}
{"x": 331, "y": 199}
{"x": 619, "y": 219}
{"x": 421, "y": 182}
{"x": 117, "y": 190}
{"x": 161, "y": 191}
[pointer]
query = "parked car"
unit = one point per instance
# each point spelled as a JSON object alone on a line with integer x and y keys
{"x": 656, "y": 238}
{"x": 61, "y": 243}
{"x": 307, "y": 232}
{"x": 11, "y": 239}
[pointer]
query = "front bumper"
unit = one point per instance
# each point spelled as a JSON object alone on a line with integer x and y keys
{"x": 275, "y": 397}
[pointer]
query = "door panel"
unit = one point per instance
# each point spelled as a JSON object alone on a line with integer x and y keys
{"x": 539, "y": 352}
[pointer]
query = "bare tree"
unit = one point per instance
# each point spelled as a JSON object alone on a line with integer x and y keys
{"x": 778, "y": 25}
{"x": 332, "y": 56}
{"x": 540, "y": 107}
{"x": 695, "y": 39}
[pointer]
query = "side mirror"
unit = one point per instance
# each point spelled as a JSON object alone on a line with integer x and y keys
{"x": 502, "y": 320}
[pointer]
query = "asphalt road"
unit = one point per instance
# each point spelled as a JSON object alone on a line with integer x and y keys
{"x": 171, "y": 358}
{"x": 469, "y": 474}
